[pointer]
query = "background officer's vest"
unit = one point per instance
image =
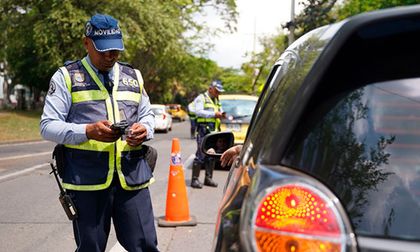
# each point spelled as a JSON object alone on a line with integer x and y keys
{"x": 91, "y": 165}
{"x": 191, "y": 111}
{"x": 210, "y": 106}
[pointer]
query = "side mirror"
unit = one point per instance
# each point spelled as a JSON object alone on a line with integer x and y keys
{"x": 214, "y": 144}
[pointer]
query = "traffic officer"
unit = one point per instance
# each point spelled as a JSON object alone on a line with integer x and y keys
{"x": 209, "y": 111}
{"x": 104, "y": 172}
{"x": 193, "y": 119}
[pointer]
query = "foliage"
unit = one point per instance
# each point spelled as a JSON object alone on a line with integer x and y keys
{"x": 194, "y": 76}
{"x": 316, "y": 13}
{"x": 234, "y": 81}
{"x": 257, "y": 69}
{"x": 39, "y": 36}
{"x": 353, "y": 7}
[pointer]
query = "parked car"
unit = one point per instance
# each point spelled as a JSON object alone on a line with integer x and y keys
{"x": 239, "y": 109}
{"x": 163, "y": 120}
{"x": 177, "y": 112}
{"x": 331, "y": 159}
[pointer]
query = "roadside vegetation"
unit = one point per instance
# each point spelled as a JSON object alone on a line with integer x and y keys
{"x": 18, "y": 126}
{"x": 164, "y": 39}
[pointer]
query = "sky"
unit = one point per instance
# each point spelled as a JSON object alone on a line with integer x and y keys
{"x": 256, "y": 18}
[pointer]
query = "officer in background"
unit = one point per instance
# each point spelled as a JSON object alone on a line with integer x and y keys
{"x": 193, "y": 119}
{"x": 209, "y": 112}
{"x": 104, "y": 173}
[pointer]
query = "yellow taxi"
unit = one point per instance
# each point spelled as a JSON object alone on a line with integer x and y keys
{"x": 177, "y": 112}
{"x": 239, "y": 109}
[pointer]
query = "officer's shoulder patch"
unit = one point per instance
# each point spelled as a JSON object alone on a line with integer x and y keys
{"x": 52, "y": 87}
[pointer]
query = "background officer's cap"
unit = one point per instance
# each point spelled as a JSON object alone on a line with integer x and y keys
{"x": 217, "y": 84}
{"x": 105, "y": 33}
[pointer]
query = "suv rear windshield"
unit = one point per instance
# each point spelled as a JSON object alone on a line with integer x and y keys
{"x": 365, "y": 145}
{"x": 238, "y": 108}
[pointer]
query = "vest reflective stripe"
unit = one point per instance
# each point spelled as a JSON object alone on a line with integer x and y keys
{"x": 140, "y": 79}
{"x": 127, "y": 96}
{"x": 90, "y": 95}
{"x": 95, "y": 77}
{"x": 106, "y": 185}
{"x": 66, "y": 78}
{"x": 113, "y": 150}
{"x": 206, "y": 120}
{"x": 93, "y": 145}
{"x": 133, "y": 188}
{"x": 89, "y": 187}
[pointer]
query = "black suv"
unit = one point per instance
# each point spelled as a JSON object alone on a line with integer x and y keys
{"x": 331, "y": 160}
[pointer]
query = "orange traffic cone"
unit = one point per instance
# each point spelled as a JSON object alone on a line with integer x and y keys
{"x": 177, "y": 210}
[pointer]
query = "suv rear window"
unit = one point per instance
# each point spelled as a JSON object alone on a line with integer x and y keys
{"x": 365, "y": 145}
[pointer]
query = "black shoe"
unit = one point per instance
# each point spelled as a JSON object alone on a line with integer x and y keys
{"x": 210, "y": 182}
{"x": 195, "y": 183}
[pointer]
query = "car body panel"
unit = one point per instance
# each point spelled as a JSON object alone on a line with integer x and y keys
{"x": 239, "y": 109}
{"x": 163, "y": 120}
{"x": 310, "y": 80}
{"x": 177, "y": 112}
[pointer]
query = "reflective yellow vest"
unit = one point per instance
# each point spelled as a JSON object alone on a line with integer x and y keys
{"x": 211, "y": 106}
{"x": 91, "y": 165}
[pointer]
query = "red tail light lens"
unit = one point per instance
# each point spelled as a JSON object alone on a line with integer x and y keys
{"x": 297, "y": 218}
{"x": 164, "y": 116}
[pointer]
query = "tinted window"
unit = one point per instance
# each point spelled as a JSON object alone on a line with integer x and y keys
{"x": 365, "y": 145}
{"x": 278, "y": 104}
{"x": 238, "y": 108}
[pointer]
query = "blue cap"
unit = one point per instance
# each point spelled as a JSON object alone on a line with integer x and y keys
{"x": 105, "y": 33}
{"x": 217, "y": 84}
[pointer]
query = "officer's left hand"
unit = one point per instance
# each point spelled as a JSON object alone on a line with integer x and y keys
{"x": 137, "y": 134}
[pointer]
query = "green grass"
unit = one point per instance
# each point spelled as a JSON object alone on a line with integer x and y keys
{"x": 18, "y": 126}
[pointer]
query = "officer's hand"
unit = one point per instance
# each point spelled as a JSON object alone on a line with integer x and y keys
{"x": 230, "y": 155}
{"x": 101, "y": 131}
{"x": 219, "y": 115}
{"x": 137, "y": 134}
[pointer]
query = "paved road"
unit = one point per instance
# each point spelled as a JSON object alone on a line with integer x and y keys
{"x": 31, "y": 218}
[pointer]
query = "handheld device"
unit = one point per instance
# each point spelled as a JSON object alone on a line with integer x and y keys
{"x": 120, "y": 127}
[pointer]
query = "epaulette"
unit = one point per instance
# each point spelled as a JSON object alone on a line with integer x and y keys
{"x": 125, "y": 64}
{"x": 68, "y": 62}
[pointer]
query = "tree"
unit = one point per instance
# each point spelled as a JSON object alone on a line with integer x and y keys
{"x": 258, "y": 68}
{"x": 315, "y": 13}
{"x": 39, "y": 36}
{"x": 352, "y": 7}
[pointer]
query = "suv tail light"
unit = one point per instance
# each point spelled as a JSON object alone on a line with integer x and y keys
{"x": 164, "y": 116}
{"x": 297, "y": 217}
